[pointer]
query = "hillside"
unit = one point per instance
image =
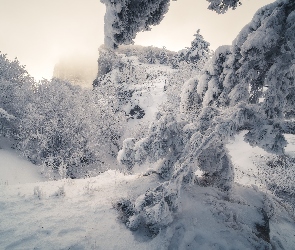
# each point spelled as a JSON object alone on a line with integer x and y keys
{"x": 79, "y": 214}
{"x": 186, "y": 150}
{"x": 38, "y": 213}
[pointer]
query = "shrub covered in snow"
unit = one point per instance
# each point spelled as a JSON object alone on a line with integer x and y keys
{"x": 221, "y": 6}
{"x": 63, "y": 127}
{"x": 15, "y": 90}
{"x": 278, "y": 174}
{"x": 67, "y": 128}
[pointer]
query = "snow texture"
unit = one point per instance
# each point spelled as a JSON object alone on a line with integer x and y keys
{"x": 79, "y": 214}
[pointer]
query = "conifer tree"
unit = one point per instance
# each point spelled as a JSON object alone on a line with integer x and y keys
{"x": 125, "y": 18}
{"x": 247, "y": 86}
{"x": 199, "y": 50}
{"x": 195, "y": 56}
{"x": 221, "y": 6}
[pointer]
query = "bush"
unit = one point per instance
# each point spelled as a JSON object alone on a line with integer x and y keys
{"x": 16, "y": 87}
{"x": 67, "y": 128}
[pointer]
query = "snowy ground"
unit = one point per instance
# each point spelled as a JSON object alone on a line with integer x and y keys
{"x": 79, "y": 214}
{"x": 14, "y": 169}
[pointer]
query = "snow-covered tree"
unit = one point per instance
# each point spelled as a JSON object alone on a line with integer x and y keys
{"x": 182, "y": 84}
{"x": 246, "y": 86}
{"x": 257, "y": 69}
{"x": 212, "y": 83}
{"x": 67, "y": 128}
{"x": 198, "y": 53}
{"x": 15, "y": 92}
{"x": 164, "y": 56}
{"x": 125, "y": 18}
{"x": 178, "y": 88}
{"x": 199, "y": 49}
{"x": 221, "y": 6}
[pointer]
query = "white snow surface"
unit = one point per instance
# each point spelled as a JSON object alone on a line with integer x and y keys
{"x": 15, "y": 169}
{"x": 79, "y": 214}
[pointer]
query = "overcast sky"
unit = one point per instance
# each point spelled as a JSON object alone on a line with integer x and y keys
{"x": 39, "y": 32}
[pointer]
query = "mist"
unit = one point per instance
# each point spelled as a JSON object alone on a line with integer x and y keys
{"x": 78, "y": 69}
{"x": 40, "y": 33}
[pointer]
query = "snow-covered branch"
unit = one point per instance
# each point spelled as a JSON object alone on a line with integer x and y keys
{"x": 4, "y": 114}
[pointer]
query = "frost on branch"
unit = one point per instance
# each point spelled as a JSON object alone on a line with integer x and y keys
{"x": 257, "y": 69}
{"x": 126, "y": 155}
{"x": 5, "y": 119}
{"x": 163, "y": 145}
{"x": 5, "y": 115}
{"x": 259, "y": 60}
{"x": 190, "y": 100}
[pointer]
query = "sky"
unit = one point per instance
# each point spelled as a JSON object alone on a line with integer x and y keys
{"x": 40, "y": 32}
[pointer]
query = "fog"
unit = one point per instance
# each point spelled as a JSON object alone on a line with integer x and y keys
{"x": 79, "y": 69}
{"x": 41, "y": 32}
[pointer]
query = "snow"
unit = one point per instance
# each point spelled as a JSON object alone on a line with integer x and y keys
{"x": 38, "y": 213}
{"x": 290, "y": 148}
{"x": 79, "y": 214}
{"x": 242, "y": 158}
{"x": 14, "y": 168}
{"x": 245, "y": 157}
{"x": 148, "y": 95}
{"x": 4, "y": 114}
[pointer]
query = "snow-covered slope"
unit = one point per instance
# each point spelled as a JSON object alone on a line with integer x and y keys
{"x": 79, "y": 214}
{"x": 242, "y": 156}
{"x": 148, "y": 93}
{"x": 15, "y": 169}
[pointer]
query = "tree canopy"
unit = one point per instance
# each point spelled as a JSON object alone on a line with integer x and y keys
{"x": 246, "y": 86}
{"x": 125, "y": 18}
